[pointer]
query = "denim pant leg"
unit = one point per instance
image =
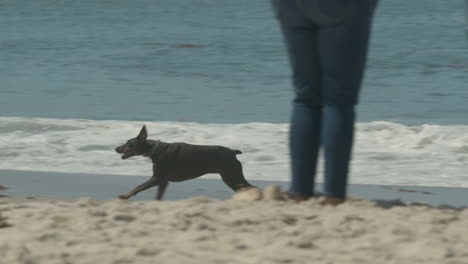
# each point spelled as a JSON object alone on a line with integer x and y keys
{"x": 304, "y": 137}
{"x": 327, "y": 63}
{"x": 343, "y": 51}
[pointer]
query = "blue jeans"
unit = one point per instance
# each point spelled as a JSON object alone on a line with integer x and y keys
{"x": 327, "y": 43}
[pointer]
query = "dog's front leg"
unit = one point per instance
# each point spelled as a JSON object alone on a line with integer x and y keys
{"x": 153, "y": 181}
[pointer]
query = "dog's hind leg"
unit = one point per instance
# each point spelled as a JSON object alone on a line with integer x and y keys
{"x": 233, "y": 177}
{"x": 161, "y": 189}
{"x": 153, "y": 181}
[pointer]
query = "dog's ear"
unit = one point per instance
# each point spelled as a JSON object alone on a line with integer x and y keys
{"x": 143, "y": 134}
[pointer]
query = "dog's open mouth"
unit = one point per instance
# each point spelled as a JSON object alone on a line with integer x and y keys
{"x": 127, "y": 155}
{"x": 126, "y": 152}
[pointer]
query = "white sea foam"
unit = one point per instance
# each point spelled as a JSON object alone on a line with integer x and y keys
{"x": 384, "y": 153}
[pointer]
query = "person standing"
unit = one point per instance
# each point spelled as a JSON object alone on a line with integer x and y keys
{"x": 327, "y": 44}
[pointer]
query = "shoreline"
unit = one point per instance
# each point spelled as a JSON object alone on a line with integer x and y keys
{"x": 72, "y": 186}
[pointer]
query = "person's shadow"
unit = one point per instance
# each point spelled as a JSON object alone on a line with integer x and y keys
{"x": 388, "y": 204}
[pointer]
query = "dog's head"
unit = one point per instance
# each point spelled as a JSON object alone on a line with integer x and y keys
{"x": 135, "y": 146}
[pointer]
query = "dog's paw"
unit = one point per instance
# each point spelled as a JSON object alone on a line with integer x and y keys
{"x": 123, "y": 197}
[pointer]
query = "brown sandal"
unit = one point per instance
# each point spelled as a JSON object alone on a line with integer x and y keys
{"x": 333, "y": 201}
{"x": 297, "y": 198}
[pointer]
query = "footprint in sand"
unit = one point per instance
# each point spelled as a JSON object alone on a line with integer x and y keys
{"x": 271, "y": 193}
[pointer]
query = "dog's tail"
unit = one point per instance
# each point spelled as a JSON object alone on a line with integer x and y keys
{"x": 237, "y": 151}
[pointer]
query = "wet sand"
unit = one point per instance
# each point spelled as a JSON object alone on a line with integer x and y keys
{"x": 70, "y": 186}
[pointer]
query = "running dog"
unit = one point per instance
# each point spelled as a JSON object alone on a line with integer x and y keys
{"x": 176, "y": 162}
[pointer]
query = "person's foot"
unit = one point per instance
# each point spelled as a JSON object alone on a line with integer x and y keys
{"x": 333, "y": 201}
{"x": 297, "y": 198}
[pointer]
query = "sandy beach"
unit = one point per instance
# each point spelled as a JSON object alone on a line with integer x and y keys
{"x": 44, "y": 220}
{"x": 204, "y": 230}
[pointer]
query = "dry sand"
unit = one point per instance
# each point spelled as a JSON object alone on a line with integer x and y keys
{"x": 203, "y": 230}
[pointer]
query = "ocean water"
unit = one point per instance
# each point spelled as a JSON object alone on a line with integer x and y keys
{"x": 80, "y": 77}
{"x": 385, "y": 152}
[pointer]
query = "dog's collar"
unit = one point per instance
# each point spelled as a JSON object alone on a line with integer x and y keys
{"x": 153, "y": 149}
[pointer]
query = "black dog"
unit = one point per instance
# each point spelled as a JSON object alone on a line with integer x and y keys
{"x": 175, "y": 162}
